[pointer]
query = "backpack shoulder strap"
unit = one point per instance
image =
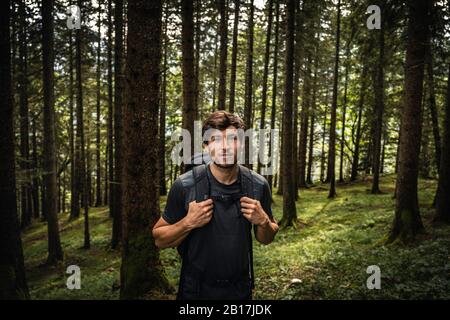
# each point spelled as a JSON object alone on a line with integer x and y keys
{"x": 201, "y": 183}
{"x": 247, "y": 182}
{"x": 248, "y": 189}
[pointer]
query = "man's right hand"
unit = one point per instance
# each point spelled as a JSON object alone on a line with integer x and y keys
{"x": 199, "y": 213}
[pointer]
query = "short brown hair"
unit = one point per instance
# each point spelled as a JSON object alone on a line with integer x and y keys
{"x": 221, "y": 120}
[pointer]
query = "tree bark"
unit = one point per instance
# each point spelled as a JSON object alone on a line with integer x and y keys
{"x": 289, "y": 210}
{"x": 262, "y": 123}
{"x": 443, "y": 193}
{"x": 98, "y": 189}
{"x": 274, "y": 84}
{"x": 234, "y": 55}
{"x": 24, "y": 120}
{"x": 357, "y": 142}
{"x": 141, "y": 270}
{"x": 162, "y": 111}
{"x": 248, "y": 107}
{"x": 190, "y": 113}
{"x": 55, "y": 252}
{"x": 407, "y": 222}
{"x": 223, "y": 31}
{"x": 332, "y": 143}
{"x": 379, "y": 110}
{"x": 109, "y": 188}
{"x": 116, "y": 199}
{"x": 13, "y": 283}
{"x": 432, "y": 105}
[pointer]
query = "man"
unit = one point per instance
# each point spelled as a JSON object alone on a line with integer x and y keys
{"x": 209, "y": 213}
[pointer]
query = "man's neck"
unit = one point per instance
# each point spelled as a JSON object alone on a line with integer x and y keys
{"x": 224, "y": 175}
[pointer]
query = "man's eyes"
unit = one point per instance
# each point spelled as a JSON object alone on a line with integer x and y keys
{"x": 219, "y": 138}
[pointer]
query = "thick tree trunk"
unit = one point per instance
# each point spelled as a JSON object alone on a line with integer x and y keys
{"x": 12, "y": 281}
{"x": 289, "y": 210}
{"x": 407, "y": 222}
{"x": 141, "y": 270}
{"x": 55, "y": 252}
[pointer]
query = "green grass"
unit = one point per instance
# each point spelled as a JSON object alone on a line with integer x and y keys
{"x": 327, "y": 255}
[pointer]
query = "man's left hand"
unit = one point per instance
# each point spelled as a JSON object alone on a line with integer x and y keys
{"x": 253, "y": 211}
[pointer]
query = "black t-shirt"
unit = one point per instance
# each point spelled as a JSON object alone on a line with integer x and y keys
{"x": 220, "y": 248}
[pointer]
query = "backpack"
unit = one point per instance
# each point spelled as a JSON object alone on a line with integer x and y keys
{"x": 203, "y": 192}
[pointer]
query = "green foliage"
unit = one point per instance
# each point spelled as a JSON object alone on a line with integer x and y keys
{"x": 328, "y": 255}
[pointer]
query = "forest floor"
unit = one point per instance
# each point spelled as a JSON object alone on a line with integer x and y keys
{"x": 326, "y": 257}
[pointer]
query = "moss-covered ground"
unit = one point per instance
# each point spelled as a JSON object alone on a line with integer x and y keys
{"x": 326, "y": 257}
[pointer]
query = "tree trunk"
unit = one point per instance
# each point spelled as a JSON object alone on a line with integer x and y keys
{"x": 49, "y": 144}
{"x": 379, "y": 110}
{"x": 324, "y": 179}
{"x": 432, "y": 105}
{"x": 116, "y": 199}
{"x": 82, "y": 175}
{"x": 74, "y": 185}
{"x": 304, "y": 119}
{"x": 35, "y": 191}
{"x": 299, "y": 150}
{"x": 13, "y": 283}
{"x": 274, "y": 84}
{"x": 262, "y": 124}
{"x": 357, "y": 142}
{"x": 98, "y": 189}
{"x": 109, "y": 188}
{"x": 234, "y": 55}
{"x": 289, "y": 210}
{"x": 223, "y": 31}
{"x": 407, "y": 222}
{"x": 248, "y": 107}
{"x": 443, "y": 193}
{"x": 332, "y": 144}
{"x": 198, "y": 10}
{"x": 141, "y": 270}
{"x": 190, "y": 113}
{"x": 309, "y": 179}
{"x": 162, "y": 111}
{"x": 24, "y": 120}
{"x": 344, "y": 110}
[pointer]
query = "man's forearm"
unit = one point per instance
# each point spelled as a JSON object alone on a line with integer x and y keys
{"x": 172, "y": 235}
{"x": 265, "y": 233}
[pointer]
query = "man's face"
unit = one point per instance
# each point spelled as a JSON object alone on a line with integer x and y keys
{"x": 223, "y": 146}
